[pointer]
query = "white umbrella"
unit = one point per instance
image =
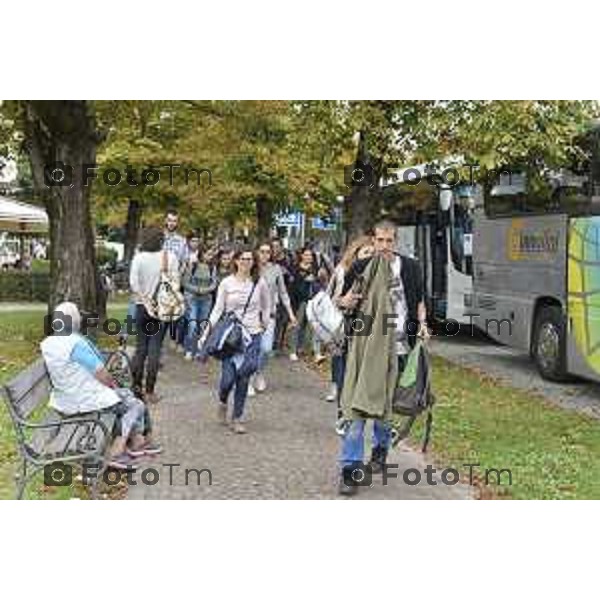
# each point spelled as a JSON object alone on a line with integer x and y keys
{"x": 20, "y": 217}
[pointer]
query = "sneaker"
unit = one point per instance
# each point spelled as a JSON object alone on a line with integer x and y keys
{"x": 238, "y": 427}
{"x": 319, "y": 358}
{"x": 294, "y": 357}
{"x": 378, "y": 459}
{"x": 188, "y": 356}
{"x": 151, "y": 448}
{"x": 332, "y": 395}
{"x": 121, "y": 461}
{"x": 180, "y": 350}
{"x": 222, "y": 413}
{"x": 260, "y": 383}
{"x": 136, "y": 452}
{"x": 146, "y": 449}
{"x": 251, "y": 391}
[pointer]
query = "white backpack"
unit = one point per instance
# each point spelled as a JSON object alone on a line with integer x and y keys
{"x": 325, "y": 318}
{"x": 167, "y": 303}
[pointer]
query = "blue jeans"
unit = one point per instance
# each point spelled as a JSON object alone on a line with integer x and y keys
{"x": 237, "y": 371}
{"x": 197, "y": 310}
{"x": 353, "y": 442}
{"x": 266, "y": 346}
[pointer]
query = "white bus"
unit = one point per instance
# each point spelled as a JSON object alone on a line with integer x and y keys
{"x": 537, "y": 273}
{"x": 523, "y": 267}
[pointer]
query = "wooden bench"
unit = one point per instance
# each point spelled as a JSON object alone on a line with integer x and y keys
{"x": 45, "y": 437}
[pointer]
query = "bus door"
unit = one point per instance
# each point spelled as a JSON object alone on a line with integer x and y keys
{"x": 438, "y": 244}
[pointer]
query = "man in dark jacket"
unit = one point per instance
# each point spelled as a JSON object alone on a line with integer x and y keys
{"x": 403, "y": 287}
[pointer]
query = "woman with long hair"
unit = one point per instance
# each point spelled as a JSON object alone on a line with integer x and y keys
{"x": 273, "y": 274}
{"x": 360, "y": 247}
{"x": 304, "y": 285}
{"x": 245, "y": 294}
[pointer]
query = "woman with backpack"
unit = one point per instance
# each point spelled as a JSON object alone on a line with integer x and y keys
{"x": 199, "y": 283}
{"x": 306, "y": 281}
{"x": 245, "y": 294}
{"x": 147, "y": 267}
{"x": 273, "y": 274}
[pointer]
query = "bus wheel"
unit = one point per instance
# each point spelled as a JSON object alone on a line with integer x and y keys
{"x": 548, "y": 348}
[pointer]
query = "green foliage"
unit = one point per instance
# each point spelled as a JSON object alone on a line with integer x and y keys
{"x": 106, "y": 256}
{"x": 291, "y": 154}
{"x": 23, "y": 286}
{"x": 40, "y": 266}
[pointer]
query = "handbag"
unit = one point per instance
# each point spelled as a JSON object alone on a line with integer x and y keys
{"x": 227, "y": 336}
{"x": 167, "y": 302}
{"x": 325, "y": 318}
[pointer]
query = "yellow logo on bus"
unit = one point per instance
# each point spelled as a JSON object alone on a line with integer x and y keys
{"x": 530, "y": 244}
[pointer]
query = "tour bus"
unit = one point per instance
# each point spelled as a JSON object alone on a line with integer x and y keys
{"x": 520, "y": 266}
{"x": 536, "y": 279}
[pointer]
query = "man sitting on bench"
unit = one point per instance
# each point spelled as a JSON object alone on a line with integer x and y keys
{"x": 81, "y": 384}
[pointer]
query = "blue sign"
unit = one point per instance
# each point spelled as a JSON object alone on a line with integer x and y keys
{"x": 289, "y": 220}
{"x": 325, "y": 224}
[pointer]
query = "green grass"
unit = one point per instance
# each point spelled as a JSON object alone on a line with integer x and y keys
{"x": 20, "y": 335}
{"x": 551, "y": 452}
{"x": 40, "y": 266}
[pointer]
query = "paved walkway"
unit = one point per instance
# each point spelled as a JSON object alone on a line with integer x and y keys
{"x": 289, "y": 451}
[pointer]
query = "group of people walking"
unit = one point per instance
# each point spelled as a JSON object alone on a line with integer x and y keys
{"x": 268, "y": 290}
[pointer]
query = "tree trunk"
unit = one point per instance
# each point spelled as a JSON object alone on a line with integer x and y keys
{"x": 132, "y": 227}
{"x": 363, "y": 205}
{"x": 264, "y": 217}
{"x": 357, "y": 206}
{"x": 63, "y": 131}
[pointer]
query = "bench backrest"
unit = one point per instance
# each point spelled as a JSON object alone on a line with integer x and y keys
{"x": 29, "y": 389}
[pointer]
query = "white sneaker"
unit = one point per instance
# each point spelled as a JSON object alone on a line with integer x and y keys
{"x": 260, "y": 383}
{"x": 251, "y": 391}
{"x": 319, "y": 358}
{"x": 293, "y": 357}
{"x": 188, "y": 356}
{"x": 332, "y": 393}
